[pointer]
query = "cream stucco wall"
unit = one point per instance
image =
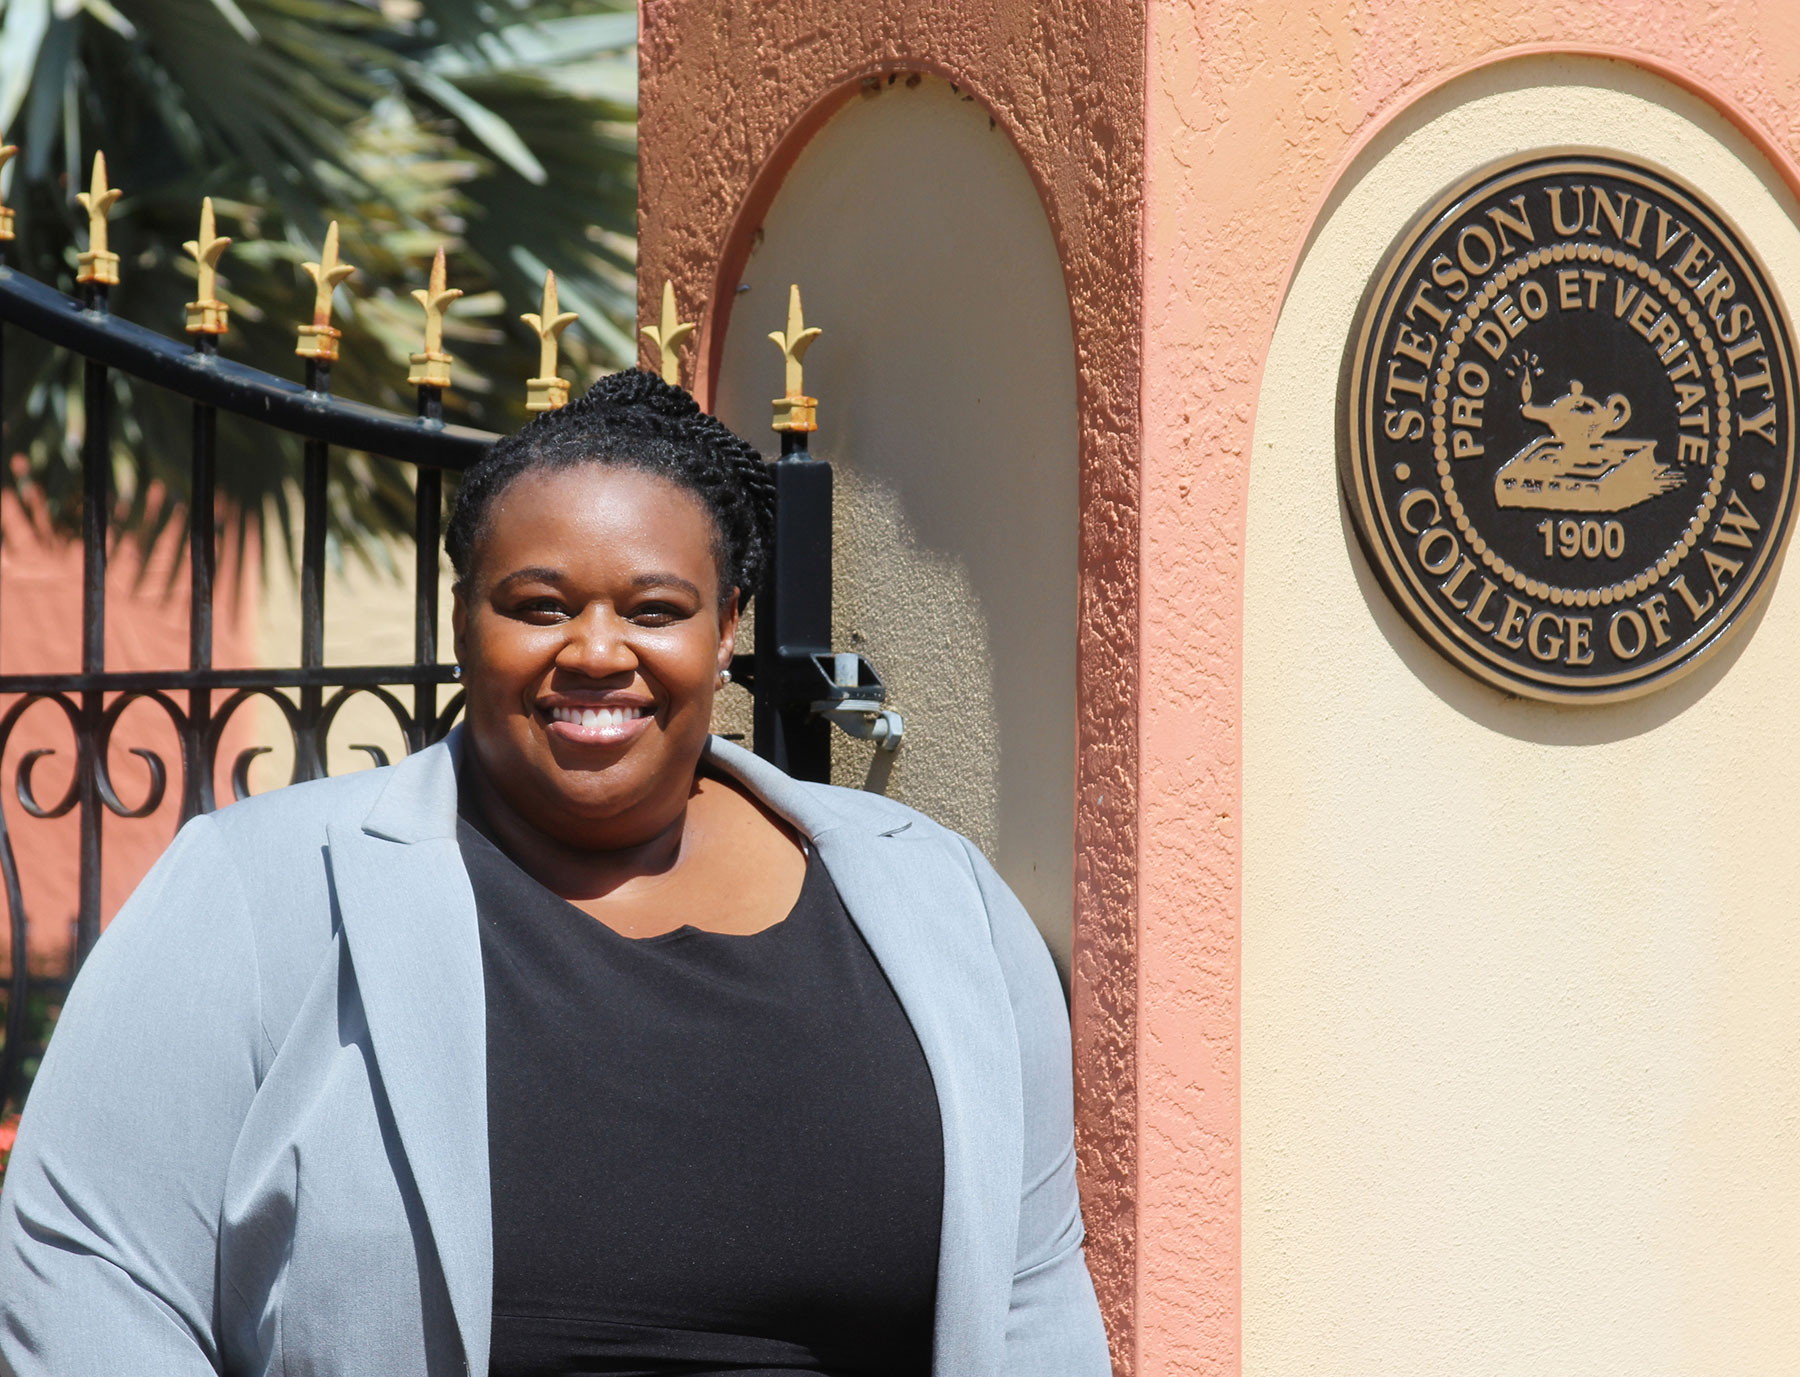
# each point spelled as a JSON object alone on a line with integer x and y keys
{"x": 1521, "y": 1047}
{"x": 947, "y": 383}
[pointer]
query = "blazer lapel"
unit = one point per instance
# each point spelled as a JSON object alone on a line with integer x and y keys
{"x": 409, "y": 919}
{"x": 923, "y": 917}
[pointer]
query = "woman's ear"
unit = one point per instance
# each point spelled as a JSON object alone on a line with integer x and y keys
{"x": 459, "y": 623}
{"x": 728, "y": 625}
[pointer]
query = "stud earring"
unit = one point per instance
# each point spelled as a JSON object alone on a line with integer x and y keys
{"x": 724, "y": 677}
{"x": 456, "y": 671}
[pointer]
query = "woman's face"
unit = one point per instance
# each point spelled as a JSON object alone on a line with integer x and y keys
{"x": 591, "y": 637}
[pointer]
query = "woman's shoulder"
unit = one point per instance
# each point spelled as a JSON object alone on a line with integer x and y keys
{"x": 297, "y": 814}
{"x": 814, "y": 805}
{"x": 862, "y": 808}
{"x": 295, "y": 817}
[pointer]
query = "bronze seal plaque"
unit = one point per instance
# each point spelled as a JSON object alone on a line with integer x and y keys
{"x": 1568, "y": 438}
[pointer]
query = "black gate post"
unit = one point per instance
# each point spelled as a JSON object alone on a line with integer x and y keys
{"x": 802, "y": 688}
{"x": 793, "y": 622}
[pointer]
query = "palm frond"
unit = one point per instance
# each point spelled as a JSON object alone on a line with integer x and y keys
{"x": 514, "y": 146}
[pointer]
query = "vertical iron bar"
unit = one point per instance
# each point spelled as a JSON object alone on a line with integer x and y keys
{"x": 96, "y": 447}
{"x": 197, "y": 795}
{"x": 428, "y": 500}
{"x": 12, "y": 1057}
{"x": 309, "y": 761}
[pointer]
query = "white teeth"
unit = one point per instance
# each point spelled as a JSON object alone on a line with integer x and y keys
{"x": 596, "y": 717}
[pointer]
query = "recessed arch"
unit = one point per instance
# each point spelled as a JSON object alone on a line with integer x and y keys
{"x": 947, "y": 382}
{"x": 745, "y": 229}
{"x": 723, "y": 90}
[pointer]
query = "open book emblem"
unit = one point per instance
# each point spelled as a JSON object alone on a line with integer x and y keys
{"x": 1578, "y": 466}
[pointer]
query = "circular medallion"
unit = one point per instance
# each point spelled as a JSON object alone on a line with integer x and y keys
{"x": 1568, "y": 425}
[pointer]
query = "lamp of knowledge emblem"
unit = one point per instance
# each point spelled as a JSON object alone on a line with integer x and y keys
{"x": 1568, "y": 439}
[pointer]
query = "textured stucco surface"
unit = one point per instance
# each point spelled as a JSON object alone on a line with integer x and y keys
{"x": 947, "y": 379}
{"x": 729, "y": 94}
{"x": 1521, "y": 1066}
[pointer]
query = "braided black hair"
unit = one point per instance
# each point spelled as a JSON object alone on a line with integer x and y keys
{"x": 635, "y": 420}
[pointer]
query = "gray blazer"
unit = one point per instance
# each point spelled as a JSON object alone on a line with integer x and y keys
{"x": 258, "y": 1142}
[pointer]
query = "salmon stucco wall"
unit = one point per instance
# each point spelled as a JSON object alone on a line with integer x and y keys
{"x": 729, "y": 94}
{"x": 40, "y": 632}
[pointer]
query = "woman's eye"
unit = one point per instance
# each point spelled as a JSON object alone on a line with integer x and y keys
{"x": 540, "y": 609}
{"x": 657, "y": 614}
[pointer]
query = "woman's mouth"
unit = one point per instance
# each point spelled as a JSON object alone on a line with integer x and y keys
{"x": 599, "y": 725}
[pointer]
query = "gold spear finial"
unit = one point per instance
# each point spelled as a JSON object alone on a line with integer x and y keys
{"x": 208, "y": 315}
{"x": 795, "y": 411}
{"x": 320, "y": 339}
{"x": 97, "y": 264}
{"x": 8, "y": 151}
{"x": 546, "y": 392}
{"x": 668, "y": 337}
{"x": 432, "y": 367}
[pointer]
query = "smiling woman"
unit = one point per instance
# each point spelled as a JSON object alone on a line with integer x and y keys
{"x": 596, "y": 608}
{"x": 582, "y": 1042}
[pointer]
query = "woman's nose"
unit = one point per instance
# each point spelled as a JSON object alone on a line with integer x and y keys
{"x": 597, "y": 645}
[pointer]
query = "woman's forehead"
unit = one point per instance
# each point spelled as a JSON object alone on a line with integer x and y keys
{"x": 596, "y": 516}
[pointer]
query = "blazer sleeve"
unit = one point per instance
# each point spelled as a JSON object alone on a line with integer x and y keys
{"x": 1053, "y": 1326}
{"x": 110, "y": 1214}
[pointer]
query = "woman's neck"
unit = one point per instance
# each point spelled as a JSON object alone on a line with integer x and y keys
{"x": 574, "y": 871}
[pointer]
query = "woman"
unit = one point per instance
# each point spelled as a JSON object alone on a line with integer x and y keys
{"x": 581, "y": 1042}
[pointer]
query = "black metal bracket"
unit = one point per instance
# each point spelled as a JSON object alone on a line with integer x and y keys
{"x": 802, "y": 686}
{"x": 851, "y": 695}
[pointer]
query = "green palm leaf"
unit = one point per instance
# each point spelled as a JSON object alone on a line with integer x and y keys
{"x": 515, "y": 146}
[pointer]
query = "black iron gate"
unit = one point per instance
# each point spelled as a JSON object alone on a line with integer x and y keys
{"x": 201, "y": 700}
{"x": 799, "y": 685}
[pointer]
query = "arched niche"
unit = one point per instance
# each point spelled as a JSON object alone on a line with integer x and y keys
{"x": 946, "y": 379}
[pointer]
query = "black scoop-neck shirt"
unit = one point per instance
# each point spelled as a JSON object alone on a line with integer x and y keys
{"x": 709, "y": 1154}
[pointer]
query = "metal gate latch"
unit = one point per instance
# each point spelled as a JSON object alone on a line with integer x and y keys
{"x": 853, "y": 699}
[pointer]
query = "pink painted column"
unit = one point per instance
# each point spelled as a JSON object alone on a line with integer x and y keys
{"x": 1066, "y": 84}
{"x": 1183, "y": 150}
{"x": 1251, "y": 115}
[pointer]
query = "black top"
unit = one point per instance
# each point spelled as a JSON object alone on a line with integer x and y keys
{"x": 710, "y": 1154}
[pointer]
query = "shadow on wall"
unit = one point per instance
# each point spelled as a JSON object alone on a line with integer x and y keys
{"x": 946, "y": 379}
